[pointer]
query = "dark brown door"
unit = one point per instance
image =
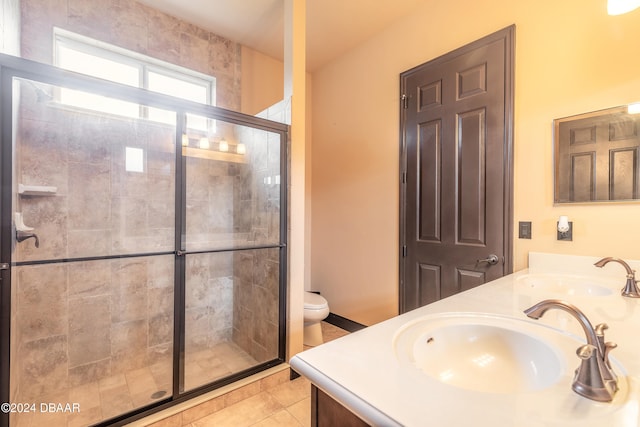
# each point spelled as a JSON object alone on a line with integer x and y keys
{"x": 457, "y": 180}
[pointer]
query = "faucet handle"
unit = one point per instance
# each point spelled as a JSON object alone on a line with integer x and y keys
{"x": 600, "y": 328}
{"x": 586, "y": 351}
{"x": 610, "y": 373}
{"x": 605, "y": 348}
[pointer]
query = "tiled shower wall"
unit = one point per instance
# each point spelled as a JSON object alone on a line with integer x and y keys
{"x": 79, "y": 322}
{"x": 83, "y": 321}
{"x": 102, "y": 317}
{"x": 235, "y": 208}
{"x": 99, "y": 208}
{"x": 255, "y": 304}
{"x": 256, "y": 273}
{"x": 137, "y": 27}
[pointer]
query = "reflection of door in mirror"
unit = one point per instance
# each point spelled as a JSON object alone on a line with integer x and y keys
{"x": 596, "y": 156}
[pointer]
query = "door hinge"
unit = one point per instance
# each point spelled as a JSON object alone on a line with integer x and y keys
{"x": 405, "y": 101}
{"x": 404, "y": 177}
{"x": 404, "y": 251}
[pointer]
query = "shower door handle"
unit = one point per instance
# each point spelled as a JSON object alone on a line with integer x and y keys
{"x": 491, "y": 260}
{"x": 3, "y": 266}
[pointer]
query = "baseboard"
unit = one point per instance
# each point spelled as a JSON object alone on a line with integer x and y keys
{"x": 293, "y": 374}
{"x": 344, "y": 323}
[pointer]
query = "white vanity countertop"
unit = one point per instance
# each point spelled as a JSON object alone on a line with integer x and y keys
{"x": 362, "y": 372}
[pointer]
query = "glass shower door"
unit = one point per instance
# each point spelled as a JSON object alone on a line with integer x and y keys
{"x": 143, "y": 255}
{"x": 232, "y": 245}
{"x": 93, "y": 259}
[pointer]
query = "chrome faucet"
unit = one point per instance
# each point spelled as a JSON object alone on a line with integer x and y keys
{"x": 21, "y": 236}
{"x": 631, "y": 287}
{"x": 594, "y": 378}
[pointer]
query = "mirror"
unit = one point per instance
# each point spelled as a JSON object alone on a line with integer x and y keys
{"x": 596, "y": 156}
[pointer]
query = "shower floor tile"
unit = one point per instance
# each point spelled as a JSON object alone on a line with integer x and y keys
{"x": 219, "y": 361}
{"x": 121, "y": 393}
{"x": 284, "y": 405}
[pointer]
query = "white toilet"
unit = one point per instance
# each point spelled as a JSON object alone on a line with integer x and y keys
{"x": 316, "y": 309}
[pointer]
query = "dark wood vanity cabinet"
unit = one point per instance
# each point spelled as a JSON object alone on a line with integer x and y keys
{"x": 326, "y": 412}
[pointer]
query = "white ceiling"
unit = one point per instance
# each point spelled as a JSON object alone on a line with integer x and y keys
{"x": 333, "y": 26}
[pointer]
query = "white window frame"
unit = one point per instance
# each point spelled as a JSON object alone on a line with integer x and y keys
{"x": 144, "y": 63}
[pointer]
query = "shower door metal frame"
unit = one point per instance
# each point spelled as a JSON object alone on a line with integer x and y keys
{"x": 13, "y": 67}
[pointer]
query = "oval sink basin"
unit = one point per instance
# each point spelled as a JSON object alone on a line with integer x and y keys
{"x": 567, "y": 285}
{"x": 482, "y": 353}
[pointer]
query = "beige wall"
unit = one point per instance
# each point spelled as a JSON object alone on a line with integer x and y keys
{"x": 571, "y": 57}
{"x": 295, "y": 85}
{"x": 262, "y": 81}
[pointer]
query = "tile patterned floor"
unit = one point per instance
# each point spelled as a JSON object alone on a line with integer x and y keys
{"x": 286, "y": 405}
{"x": 330, "y": 333}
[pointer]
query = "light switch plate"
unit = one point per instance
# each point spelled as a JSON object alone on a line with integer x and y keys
{"x": 524, "y": 229}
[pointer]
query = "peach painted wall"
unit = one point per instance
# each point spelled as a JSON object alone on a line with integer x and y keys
{"x": 262, "y": 81}
{"x": 571, "y": 57}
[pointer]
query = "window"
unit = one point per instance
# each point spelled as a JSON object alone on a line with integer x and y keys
{"x": 84, "y": 55}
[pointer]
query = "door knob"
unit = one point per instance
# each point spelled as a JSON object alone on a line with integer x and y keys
{"x": 491, "y": 260}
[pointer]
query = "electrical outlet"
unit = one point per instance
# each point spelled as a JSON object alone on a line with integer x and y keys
{"x": 524, "y": 229}
{"x": 566, "y": 236}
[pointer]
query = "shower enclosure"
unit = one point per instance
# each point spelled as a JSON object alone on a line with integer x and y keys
{"x": 142, "y": 248}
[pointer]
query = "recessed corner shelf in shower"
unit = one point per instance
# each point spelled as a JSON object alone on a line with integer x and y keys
{"x": 36, "y": 190}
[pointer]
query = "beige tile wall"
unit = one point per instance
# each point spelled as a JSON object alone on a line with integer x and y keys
{"x": 256, "y": 273}
{"x": 134, "y": 26}
{"x": 83, "y": 321}
{"x": 70, "y": 339}
{"x": 108, "y": 317}
{"x": 90, "y": 321}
